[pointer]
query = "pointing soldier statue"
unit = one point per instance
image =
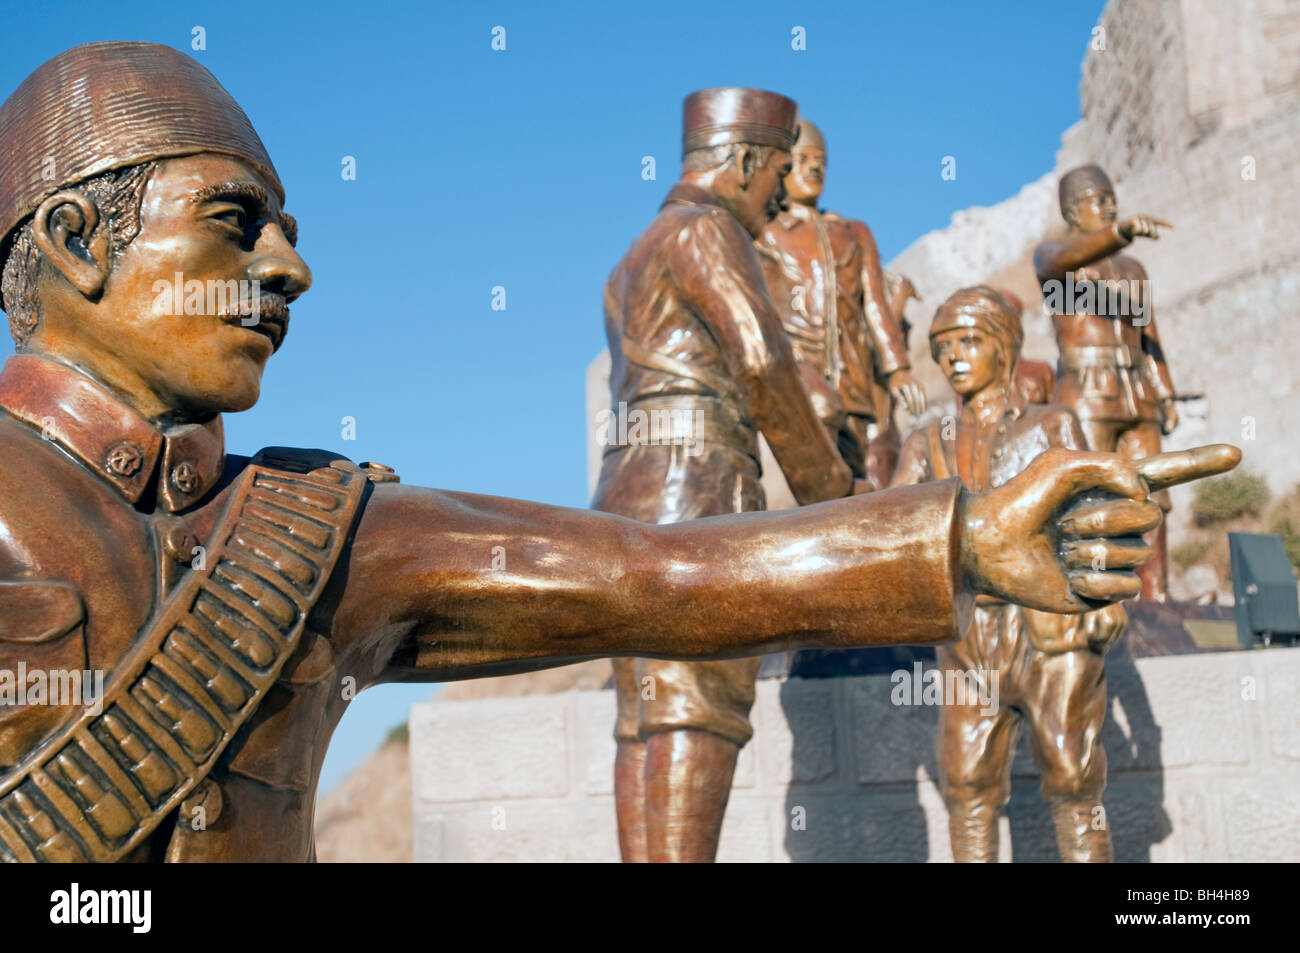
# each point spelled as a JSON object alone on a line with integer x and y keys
{"x": 824, "y": 273}
{"x": 228, "y": 599}
{"x": 1042, "y": 669}
{"x": 1112, "y": 371}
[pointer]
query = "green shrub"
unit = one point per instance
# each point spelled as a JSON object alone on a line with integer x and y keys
{"x": 1191, "y": 552}
{"x": 1285, "y": 521}
{"x": 400, "y": 734}
{"x": 1229, "y": 497}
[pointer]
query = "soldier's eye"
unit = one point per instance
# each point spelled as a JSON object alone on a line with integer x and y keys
{"x": 233, "y": 216}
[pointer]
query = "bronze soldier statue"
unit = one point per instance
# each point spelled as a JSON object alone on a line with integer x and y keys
{"x": 1039, "y": 668}
{"x": 235, "y": 605}
{"x": 1112, "y": 370}
{"x": 824, "y": 274}
{"x": 693, "y": 334}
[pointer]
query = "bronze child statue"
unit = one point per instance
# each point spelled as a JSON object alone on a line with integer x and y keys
{"x": 1042, "y": 669}
{"x": 235, "y": 605}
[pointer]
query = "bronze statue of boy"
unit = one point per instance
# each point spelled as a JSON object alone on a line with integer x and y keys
{"x": 1043, "y": 670}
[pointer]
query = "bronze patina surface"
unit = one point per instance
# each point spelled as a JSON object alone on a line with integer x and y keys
{"x": 1040, "y": 670}
{"x": 823, "y": 272}
{"x": 235, "y": 605}
{"x": 692, "y": 329}
{"x": 1112, "y": 370}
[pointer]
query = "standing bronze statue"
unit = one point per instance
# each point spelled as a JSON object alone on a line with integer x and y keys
{"x": 693, "y": 333}
{"x": 1112, "y": 370}
{"x": 235, "y": 605}
{"x": 1042, "y": 669}
{"x": 824, "y": 274}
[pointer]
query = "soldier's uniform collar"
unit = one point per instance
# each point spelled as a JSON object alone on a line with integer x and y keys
{"x": 794, "y": 215}
{"x": 109, "y": 438}
{"x": 684, "y": 193}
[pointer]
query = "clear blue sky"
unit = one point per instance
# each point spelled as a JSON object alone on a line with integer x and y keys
{"x": 522, "y": 169}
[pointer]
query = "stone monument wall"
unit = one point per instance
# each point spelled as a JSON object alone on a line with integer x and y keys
{"x": 1204, "y": 755}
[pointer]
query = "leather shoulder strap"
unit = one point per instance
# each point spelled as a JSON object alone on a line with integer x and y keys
{"x": 196, "y": 673}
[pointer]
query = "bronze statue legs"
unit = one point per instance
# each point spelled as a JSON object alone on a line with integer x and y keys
{"x": 680, "y": 728}
{"x": 1061, "y": 698}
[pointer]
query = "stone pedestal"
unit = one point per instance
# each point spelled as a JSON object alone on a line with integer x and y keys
{"x": 1204, "y": 753}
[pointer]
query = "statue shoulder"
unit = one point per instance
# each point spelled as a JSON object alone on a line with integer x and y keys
{"x": 858, "y": 231}
{"x": 1058, "y": 423}
{"x": 836, "y": 220}
{"x": 1128, "y": 267}
{"x": 703, "y": 237}
{"x": 1044, "y": 258}
{"x": 36, "y": 477}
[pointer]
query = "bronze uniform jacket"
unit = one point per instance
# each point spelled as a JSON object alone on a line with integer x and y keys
{"x": 868, "y": 340}
{"x": 690, "y": 289}
{"x": 1102, "y": 390}
{"x": 930, "y": 454}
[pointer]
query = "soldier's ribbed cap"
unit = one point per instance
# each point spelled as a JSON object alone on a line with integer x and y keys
{"x": 103, "y": 106}
{"x": 726, "y": 114}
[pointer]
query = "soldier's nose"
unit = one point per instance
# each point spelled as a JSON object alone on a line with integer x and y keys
{"x": 284, "y": 272}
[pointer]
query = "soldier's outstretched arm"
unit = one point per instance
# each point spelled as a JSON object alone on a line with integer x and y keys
{"x": 1052, "y": 260}
{"x": 489, "y": 586}
{"x": 445, "y": 585}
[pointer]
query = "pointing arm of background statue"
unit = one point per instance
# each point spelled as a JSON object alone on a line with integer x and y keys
{"x": 900, "y": 290}
{"x": 1053, "y": 260}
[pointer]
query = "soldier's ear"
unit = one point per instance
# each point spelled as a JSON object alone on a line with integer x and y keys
{"x": 746, "y": 164}
{"x": 66, "y": 229}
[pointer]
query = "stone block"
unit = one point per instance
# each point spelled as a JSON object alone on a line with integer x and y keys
{"x": 796, "y": 731}
{"x": 492, "y": 749}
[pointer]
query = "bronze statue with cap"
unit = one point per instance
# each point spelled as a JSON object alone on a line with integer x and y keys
{"x": 694, "y": 336}
{"x": 1112, "y": 370}
{"x": 233, "y": 603}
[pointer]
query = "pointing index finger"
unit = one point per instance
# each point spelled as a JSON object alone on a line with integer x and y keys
{"x": 1180, "y": 466}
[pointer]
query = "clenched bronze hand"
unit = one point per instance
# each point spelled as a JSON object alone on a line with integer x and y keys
{"x": 1064, "y": 535}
